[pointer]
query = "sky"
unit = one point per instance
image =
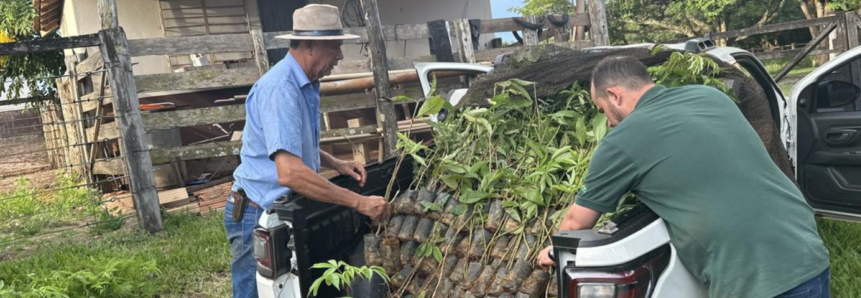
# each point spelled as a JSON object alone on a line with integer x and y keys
{"x": 499, "y": 9}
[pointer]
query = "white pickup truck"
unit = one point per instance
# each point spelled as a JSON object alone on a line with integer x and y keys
{"x": 820, "y": 125}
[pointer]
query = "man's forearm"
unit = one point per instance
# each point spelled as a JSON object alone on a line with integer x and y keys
{"x": 327, "y": 160}
{"x": 579, "y": 218}
{"x": 306, "y": 182}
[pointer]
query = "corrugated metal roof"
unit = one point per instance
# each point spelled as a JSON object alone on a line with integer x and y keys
{"x": 50, "y": 13}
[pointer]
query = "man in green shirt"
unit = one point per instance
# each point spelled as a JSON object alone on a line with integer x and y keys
{"x": 739, "y": 224}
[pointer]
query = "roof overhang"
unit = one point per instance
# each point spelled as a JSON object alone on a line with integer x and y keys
{"x": 49, "y": 13}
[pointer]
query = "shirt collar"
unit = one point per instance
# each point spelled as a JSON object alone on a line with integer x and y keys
{"x": 297, "y": 71}
{"x": 650, "y": 95}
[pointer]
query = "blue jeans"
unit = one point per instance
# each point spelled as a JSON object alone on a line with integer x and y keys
{"x": 816, "y": 287}
{"x": 243, "y": 267}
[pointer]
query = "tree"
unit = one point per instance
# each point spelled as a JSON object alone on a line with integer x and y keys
{"x": 664, "y": 20}
{"x": 543, "y": 7}
{"x": 35, "y": 71}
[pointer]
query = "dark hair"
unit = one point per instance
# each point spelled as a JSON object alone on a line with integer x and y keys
{"x": 619, "y": 71}
{"x": 295, "y": 43}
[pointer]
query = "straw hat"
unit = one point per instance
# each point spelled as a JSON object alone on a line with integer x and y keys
{"x": 317, "y": 22}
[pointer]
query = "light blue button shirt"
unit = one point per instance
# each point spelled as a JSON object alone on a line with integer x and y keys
{"x": 281, "y": 113}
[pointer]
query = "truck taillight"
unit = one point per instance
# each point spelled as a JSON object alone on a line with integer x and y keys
{"x": 633, "y": 280}
{"x": 263, "y": 251}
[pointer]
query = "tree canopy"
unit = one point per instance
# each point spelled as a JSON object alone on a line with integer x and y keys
{"x": 634, "y": 21}
{"x": 33, "y": 71}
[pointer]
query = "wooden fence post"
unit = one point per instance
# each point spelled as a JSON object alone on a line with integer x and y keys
{"x": 580, "y": 31}
{"x": 260, "y": 54}
{"x": 380, "y": 68}
{"x": 530, "y": 37}
{"x": 114, "y": 49}
{"x": 598, "y": 31}
{"x": 108, "y": 14}
{"x": 464, "y": 40}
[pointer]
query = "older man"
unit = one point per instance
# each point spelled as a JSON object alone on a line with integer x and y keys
{"x": 281, "y": 140}
{"x": 739, "y": 224}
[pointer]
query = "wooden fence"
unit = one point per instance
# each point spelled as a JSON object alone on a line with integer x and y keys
{"x": 99, "y": 103}
{"x": 844, "y": 24}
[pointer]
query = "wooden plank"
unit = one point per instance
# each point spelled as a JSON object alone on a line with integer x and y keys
{"x": 791, "y": 53}
{"x": 806, "y": 50}
{"x": 359, "y": 153}
{"x": 222, "y": 149}
{"x": 385, "y": 108}
{"x": 192, "y": 208}
{"x": 49, "y": 45}
{"x": 260, "y": 55}
{"x": 174, "y": 197}
{"x": 185, "y": 45}
{"x": 852, "y": 22}
{"x": 114, "y": 166}
{"x": 91, "y": 64}
{"x": 508, "y": 24}
{"x": 91, "y": 101}
{"x": 598, "y": 32}
{"x": 774, "y": 28}
{"x": 197, "y": 80}
{"x": 194, "y": 117}
{"x": 108, "y": 131}
{"x": 114, "y": 47}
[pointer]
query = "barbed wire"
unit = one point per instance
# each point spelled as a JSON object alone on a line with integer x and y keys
{"x": 53, "y": 148}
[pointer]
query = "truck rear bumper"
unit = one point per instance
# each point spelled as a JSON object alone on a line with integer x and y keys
{"x": 285, "y": 286}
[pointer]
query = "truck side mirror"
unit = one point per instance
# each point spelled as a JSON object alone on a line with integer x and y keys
{"x": 835, "y": 94}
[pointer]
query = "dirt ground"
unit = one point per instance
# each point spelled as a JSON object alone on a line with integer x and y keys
{"x": 25, "y": 156}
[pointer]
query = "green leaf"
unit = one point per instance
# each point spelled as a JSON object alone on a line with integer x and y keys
{"x": 419, "y": 159}
{"x": 401, "y": 98}
{"x": 431, "y": 206}
{"x": 469, "y": 196}
{"x": 431, "y": 106}
{"x": 513, "y": 213}
{"x": 459, "y": 209}
{"x": 322, "y": 265}
{"x": 509, "y": 204}
{"x": 451, "y": 181}
{"x": 314, "y": 287}
{"x": 437, "y": 254}
{"x": 599, "y": 127}
{"x": 336, "y": 281}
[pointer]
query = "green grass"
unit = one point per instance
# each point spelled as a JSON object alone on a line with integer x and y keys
{"x": 28, "y": 211}
{"x": 844, "y": 246}
{"x": 775, "y": 65}
{"x": 192, "y": 257}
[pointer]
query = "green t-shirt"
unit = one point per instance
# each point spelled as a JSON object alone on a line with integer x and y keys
{"x": 739, "y": 224}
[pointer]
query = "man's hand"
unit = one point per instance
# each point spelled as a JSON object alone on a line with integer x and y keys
{"x": 544, "y": 258}
{"x": 353, "y": 169}
{"x": 374, "y": 207}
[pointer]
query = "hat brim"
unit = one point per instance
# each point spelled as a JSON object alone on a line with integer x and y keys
{"x": 328, "y": 37}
